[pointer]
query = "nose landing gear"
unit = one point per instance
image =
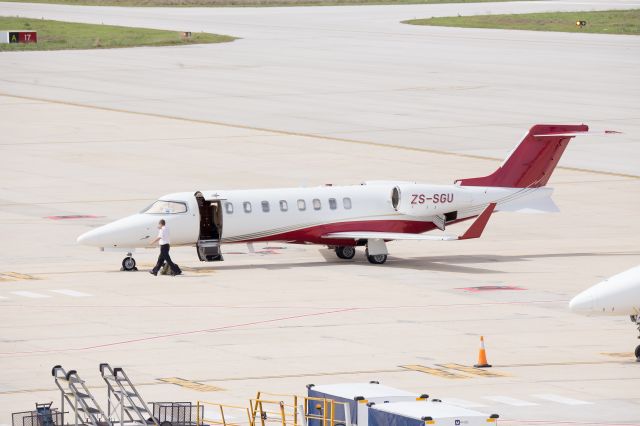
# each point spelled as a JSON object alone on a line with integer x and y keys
{"x": 128, "y": 263}
{"x": 636, "y": 319}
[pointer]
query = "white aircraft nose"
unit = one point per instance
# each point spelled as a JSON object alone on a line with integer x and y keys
{"x": 91, "y": 238}
{"x": 132, "y": 231}
{"x": 582, "y": 303}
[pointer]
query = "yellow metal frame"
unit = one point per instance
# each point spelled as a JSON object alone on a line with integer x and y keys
{"x": 201, "y": 420}
{"x": 285, "y": 411}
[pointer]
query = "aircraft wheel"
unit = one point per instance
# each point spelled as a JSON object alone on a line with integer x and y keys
{"x": 129, "y": 264}
{"x": 345, "y": 252}
{"x": 377, "y": 259}
{"x": 637, "y": 353}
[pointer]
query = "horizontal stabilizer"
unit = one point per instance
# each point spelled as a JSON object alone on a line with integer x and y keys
{"x": 534, "y": 201}
{"x": 543, "y": 205}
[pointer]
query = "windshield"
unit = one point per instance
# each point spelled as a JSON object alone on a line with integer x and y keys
{"x": 166, "y": 207}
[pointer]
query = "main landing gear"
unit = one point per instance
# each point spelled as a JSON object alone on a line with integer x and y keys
{"x": 348, "y": 252}
{"x": 636, "y": 319}
{"x": 345, "y": 252}
{"x": 376, "y": 259}
{"x": 129, "y": 263}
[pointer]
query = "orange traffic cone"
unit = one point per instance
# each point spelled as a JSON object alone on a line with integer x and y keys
{"x": 482, "y": 356}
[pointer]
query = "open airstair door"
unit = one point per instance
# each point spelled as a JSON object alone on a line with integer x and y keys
{"x": 208, "y": 244}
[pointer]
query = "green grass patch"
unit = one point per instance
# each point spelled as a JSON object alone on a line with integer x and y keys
{"x": 57, "y": 35}
{"x": 602, "y": 22}
{"x": 220, "y": 3}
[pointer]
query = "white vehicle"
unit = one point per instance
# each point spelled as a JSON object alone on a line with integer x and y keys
{"x": 618, "y": 295}
{"x": 373, "y": 404}
{"x": 426, "y": 412}
{"x": 357, "y": 397}
{"x": 344, "y": 217}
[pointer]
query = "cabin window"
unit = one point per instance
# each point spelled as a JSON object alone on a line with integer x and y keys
{"x": 302, "y": 205}
{"x": 265, "y": 206}
{"x": 247, "y": 207}
{"x": 284, "y": 206}
{"x": 317, "y": 205}
{"x": 346, "y": 202}
{"x": 166, "y": 207}
{"x": 228, "y": 208}
{"x": 333, "y": 204}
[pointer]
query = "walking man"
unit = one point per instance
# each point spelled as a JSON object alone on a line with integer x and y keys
{"x": 163, "y": 240}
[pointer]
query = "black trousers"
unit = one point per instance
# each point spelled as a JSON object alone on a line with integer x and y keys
{"x": 164, "y": 257}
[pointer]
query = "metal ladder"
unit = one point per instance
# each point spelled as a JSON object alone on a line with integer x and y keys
{"x": 124, "y": 401}
{"x": 79, "y": 398}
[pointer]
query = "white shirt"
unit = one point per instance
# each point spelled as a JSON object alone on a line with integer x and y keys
{"x": 163, "y": 234}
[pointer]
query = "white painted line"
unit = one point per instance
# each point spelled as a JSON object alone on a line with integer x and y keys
{"x": 561, "y": 399}
{"x": 71, "y": 293}
{"x": 510, "y": 401}
{"x": 463, "y": 403}
{"x": 30, "y": 294}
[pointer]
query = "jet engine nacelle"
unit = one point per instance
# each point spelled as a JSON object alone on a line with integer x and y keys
{"x": 428, "y": 200}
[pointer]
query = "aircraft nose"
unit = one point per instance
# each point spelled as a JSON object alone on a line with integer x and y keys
{"x": 91, "y": 238}
{"x": 132, "y": 231}
{"x": 582, "y": 303}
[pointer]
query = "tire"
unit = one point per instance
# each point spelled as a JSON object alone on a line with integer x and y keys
{"x": 345, "y": 252}
{"x": 637, "y": 353}
{"x": 129, "y": 264}
{"x": 377, "y": 259}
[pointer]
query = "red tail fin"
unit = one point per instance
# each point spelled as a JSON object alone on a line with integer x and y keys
{"x": 533, "y": 160}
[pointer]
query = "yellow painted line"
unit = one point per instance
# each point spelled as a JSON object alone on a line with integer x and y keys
{"x": 15, "y": 276}
{"x": 473, "y": 370}
{"x": 619, "y": 354}
{"x": 300, "y": 134}
{"x": 200, "y": 387}
{"x": 439, "y": 372}
{"x": 200, "y": 270}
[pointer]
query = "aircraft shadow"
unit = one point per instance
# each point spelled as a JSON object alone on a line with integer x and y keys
{"x": 453, "y": 263}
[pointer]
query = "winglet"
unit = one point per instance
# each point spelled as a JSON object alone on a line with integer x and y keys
{"x": 476, "y": 228}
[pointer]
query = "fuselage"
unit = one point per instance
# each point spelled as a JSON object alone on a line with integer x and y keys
{"x": 618, "y": 295}
{"x": 305, "y": 215}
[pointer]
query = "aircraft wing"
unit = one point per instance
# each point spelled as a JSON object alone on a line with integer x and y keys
{"x": 365, "y": 235}
{"x": 474, "y": 231}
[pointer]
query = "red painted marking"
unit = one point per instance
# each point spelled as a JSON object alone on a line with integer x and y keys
{"x": 73, "y": 216}
{"x": 253, "y": 307}
{"x": 533, "y": 161}
{"x": 491, "y": 288}
{"x": 180, "y": 333}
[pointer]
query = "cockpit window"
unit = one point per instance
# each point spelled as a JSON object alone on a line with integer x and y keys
{"x": 166, "y": 207}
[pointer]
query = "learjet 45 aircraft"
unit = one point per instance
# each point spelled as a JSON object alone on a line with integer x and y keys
{"x": 345, "y": 217}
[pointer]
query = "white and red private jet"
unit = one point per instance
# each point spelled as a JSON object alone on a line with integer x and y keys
{"x": 618, "y": 295}
{"x": 344, "y": 217}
